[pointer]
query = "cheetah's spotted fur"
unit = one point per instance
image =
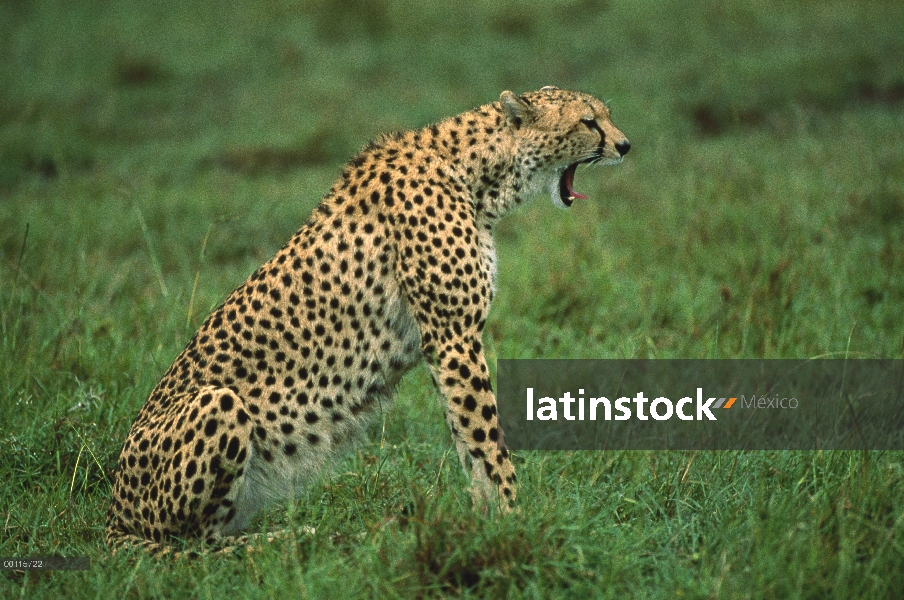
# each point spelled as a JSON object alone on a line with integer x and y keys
{"x": 396, "y": 264}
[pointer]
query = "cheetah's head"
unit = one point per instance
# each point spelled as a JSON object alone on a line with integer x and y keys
{"x": 557, "y": 130}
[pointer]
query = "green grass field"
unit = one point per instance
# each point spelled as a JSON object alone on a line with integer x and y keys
{"x": 152, "y": 155}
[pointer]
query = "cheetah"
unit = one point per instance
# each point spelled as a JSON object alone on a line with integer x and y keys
{"x": 396, "y": 264}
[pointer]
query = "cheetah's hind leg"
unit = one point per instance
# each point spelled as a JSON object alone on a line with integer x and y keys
{"x": 182, "y": 473}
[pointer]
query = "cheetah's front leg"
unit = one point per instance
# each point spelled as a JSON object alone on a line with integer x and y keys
{"x": 461, "y": 372}
{"x": 447, "y": 278}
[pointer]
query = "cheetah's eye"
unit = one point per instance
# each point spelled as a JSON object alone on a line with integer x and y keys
{"x": 590, "y": 124}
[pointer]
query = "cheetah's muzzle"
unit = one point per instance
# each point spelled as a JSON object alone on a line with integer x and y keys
{"x": 566, "y": 182}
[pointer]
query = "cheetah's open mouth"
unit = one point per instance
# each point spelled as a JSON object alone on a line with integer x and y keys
{"x": 566, "y": 191}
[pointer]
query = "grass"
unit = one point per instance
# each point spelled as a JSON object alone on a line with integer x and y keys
{"x": 152, "y": 156}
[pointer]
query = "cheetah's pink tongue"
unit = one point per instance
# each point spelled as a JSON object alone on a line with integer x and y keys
{"x": 569, "y": 182}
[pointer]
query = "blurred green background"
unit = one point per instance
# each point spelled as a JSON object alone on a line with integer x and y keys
{"x": 760, "y": 214}
{"x": 153, "y": 154}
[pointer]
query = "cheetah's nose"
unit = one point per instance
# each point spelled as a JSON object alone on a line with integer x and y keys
{"x": 623, "y": 147}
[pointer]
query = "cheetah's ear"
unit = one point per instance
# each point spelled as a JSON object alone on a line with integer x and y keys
{"x": 518, "y": 111}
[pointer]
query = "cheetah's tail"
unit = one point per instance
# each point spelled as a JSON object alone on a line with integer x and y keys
{"x": 117, "y": 541}
{"x": 223, "y": 546}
